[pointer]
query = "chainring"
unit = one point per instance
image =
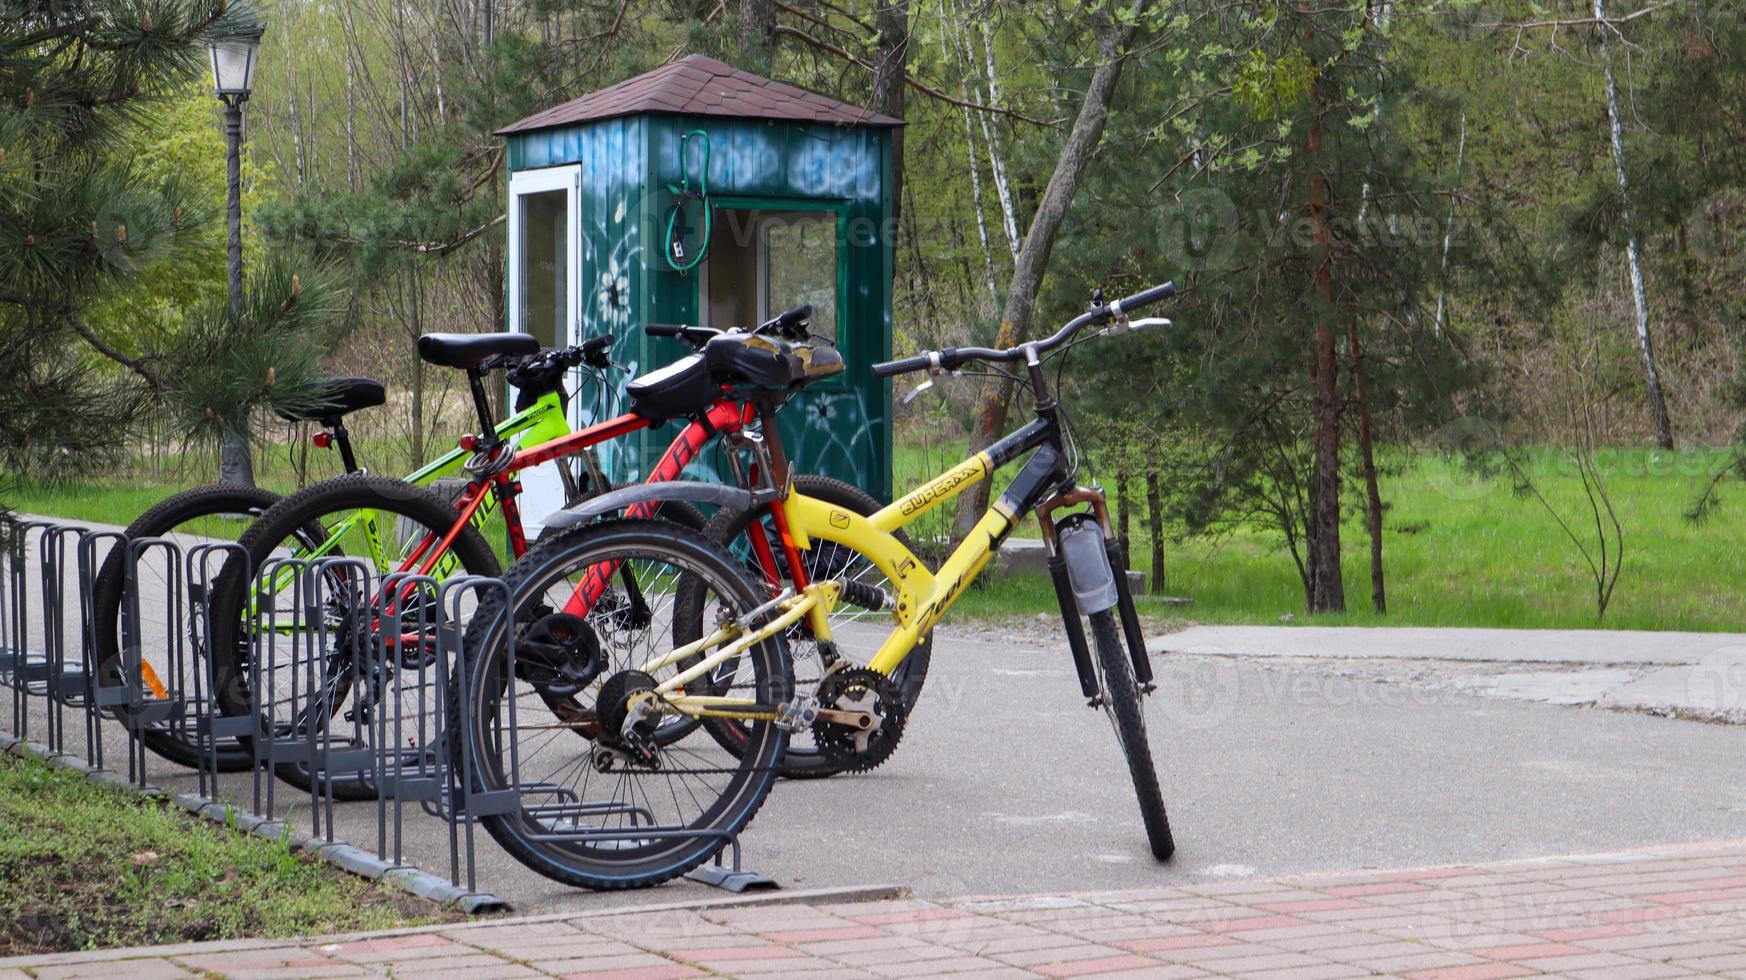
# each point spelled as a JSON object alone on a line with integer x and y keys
{"x": 859, "y": 689}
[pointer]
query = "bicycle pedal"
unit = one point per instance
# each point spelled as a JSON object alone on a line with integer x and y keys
{"x": 797, "y": 715}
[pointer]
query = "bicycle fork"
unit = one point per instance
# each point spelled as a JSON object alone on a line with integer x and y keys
{"x": 1089, "y": 569}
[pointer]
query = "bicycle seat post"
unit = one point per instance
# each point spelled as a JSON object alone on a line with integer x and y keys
{"x": 336, "y": 429}
{"x": 482, "y": 405}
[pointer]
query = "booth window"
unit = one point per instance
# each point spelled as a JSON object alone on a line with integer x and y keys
{"x": 763, "y": 262}
{"x": 800, "y": 266}
{"x": 544, "y": 280}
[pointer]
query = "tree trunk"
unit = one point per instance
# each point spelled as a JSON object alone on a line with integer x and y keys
{"x": 891, "y": 70}
{"x": 234, "y": 464}
{"x": 1367, "y": 454}
{"x": 298, "y": 162}
{"x": 991, "y": 134}
{"x": 757, "y": 34}
{"x": 1155, "y": 530}
{"x": 1123, "y": 482}
{"x": 1657, "y": 402}
{"x": 1033, "y": 259}
{"x": 416, "y": 327}
{"x": 1327, "y": 591}
{"x": 1449, "y": 234}
{"x": 947, "y": 47}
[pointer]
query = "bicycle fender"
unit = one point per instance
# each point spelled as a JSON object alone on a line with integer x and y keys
{"x": 689, "y": 491}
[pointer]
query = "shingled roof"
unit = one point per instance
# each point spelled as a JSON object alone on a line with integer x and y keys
{"x": 703, "y": 86}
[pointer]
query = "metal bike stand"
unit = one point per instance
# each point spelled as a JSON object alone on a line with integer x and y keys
{"x": 733, "y": 878}
{"x": 130, "y": 693}
{"x": 28, "y": 671}
{"x": 89, "y": 542}
{"x": 212, "y": 728}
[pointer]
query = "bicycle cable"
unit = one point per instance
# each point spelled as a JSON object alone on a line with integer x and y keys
{"x": 674, "y": 251}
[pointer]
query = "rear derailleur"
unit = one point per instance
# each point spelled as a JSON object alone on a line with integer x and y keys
{"x": 629, "y": 718}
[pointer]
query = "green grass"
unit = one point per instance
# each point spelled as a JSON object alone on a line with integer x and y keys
{"x": 89, "y": 866}
{"x": 102, "y": 501}
{"x": 1462, "y": 550}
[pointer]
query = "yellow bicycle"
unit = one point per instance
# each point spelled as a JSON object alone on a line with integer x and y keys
{"x": 626, "y": 805}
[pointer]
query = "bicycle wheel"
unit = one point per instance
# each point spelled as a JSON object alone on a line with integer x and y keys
{"x": 367, "y": 517}
{"x": 1121, "y": 701}
{"x": 857, "y": 628}
{"x": 596, "y": 811}
{"x": 194, "y": 517}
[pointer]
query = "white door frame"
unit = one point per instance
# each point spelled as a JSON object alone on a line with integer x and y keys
{"x": 542, "y": 488}
{"x": 567, "y": 178}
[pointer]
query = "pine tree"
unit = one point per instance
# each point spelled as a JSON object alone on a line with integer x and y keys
{"x": 74, "y": 222}
{"x": 1306, "y": 232}
{"x": 79, "y": 225}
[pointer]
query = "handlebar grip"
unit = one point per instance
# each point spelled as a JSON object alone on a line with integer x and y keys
{"x": 1146, "y": 297}
{"x": 795, "y": 315}
{"x": 902, "y": 365}
{"x": 596, "y": 344}
{"x": 695, "y": 336}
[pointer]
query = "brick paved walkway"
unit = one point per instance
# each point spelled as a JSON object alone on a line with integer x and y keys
{"x": 1675, "y": 911}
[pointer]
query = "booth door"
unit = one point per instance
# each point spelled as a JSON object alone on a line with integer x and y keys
{"x": 545, "y": 217}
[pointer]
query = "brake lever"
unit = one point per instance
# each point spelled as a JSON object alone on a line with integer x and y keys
{"x": 934, "y": 374}
{"x": 1123, "y": 325}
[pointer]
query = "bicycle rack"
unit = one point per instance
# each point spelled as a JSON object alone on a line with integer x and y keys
{"x": 403, "y": 635}
{"x": 48, "y": 667}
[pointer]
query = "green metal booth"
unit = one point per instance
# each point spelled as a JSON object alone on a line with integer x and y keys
{"x": 799, "y": 196}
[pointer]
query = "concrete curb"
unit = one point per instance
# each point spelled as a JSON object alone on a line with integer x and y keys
{"x": 337, "y": 853}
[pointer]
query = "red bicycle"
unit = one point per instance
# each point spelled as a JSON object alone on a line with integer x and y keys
{"x": 397, "y": 527}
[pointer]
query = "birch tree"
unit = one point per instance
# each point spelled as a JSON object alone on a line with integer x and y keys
{"x": 1633, "y": 255}
{"x": 1114, "y": 31}
{"x": 949, "y": 50}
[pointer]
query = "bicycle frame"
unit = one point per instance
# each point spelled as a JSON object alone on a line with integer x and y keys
{"x": 724, "y": 416}
{"x": 541, "y": 423}
{"x": 923, "y": 597}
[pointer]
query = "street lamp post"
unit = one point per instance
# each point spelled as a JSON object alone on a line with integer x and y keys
{"x": 233, "y": 78}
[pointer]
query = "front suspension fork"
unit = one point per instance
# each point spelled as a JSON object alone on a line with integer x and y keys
{"x": 1114, "y": 556}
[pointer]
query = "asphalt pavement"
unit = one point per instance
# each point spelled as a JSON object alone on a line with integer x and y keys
{"x": 1007, "y": 783}
{"x": 1272, "y": 763}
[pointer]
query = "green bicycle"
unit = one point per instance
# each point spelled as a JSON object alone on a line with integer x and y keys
{"x": 212, "y": 514}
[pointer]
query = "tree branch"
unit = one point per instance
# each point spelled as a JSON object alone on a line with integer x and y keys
{"x": 135, "y": 364}
{"x": 912, "y": 81}
{"x": 1587, "y": 21}
{"x": 421, "y": 248}
{"x": 813, "y": 18}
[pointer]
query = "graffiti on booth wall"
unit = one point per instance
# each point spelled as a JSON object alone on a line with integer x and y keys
{"x": 611, "y": 247}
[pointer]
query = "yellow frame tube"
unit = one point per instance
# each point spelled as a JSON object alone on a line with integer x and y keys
{"x": 923, "y": 597}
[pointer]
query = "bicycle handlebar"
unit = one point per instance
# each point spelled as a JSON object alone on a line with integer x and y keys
{"x": 695, "y": 336}
{"x": 951, "y": 358}
{"x": 546, "y": 367}
{"x": 791, "y": 324}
